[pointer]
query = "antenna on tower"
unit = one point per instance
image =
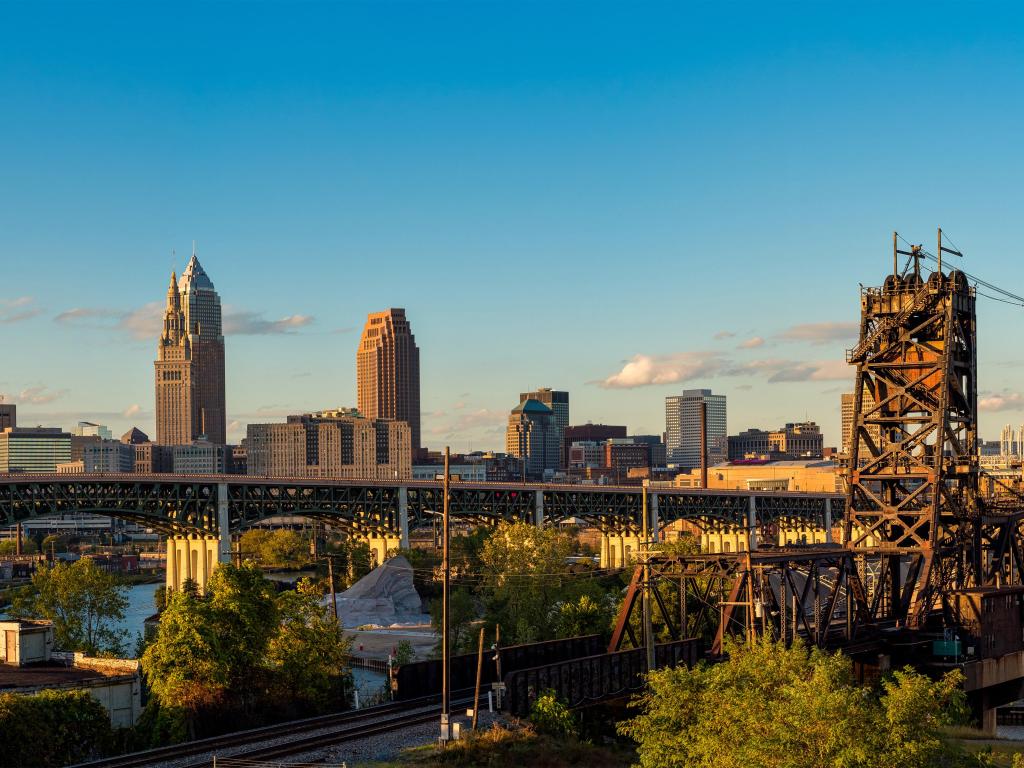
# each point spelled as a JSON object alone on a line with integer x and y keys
{"x": 193, "y": 249}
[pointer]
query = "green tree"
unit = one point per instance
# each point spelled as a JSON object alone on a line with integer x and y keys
{"x": 285, "y": 549}
{"x": 253, "y": 544}
{"x": 462, "y": 613}
{"x": 52, "y": 728}
{"x": 583, "y": 616}
{"x": 776, "y": 707}
{"x": 83, "y": 601}
{"x": 309, "y": 657}
{"x": 242, "y": 648}
{"x": 525, "y": 571}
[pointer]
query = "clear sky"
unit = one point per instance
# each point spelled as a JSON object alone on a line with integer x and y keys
{"x": 622, "y": 200}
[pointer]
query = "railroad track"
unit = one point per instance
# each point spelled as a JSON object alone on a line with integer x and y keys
{"x": 344, "y": 726}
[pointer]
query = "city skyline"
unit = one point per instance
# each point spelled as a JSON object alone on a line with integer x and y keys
{"x": 715, "y": 249}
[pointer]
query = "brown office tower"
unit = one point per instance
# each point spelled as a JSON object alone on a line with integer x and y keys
{"x": 190, "y": 363}
{"x": 388, "y": 371}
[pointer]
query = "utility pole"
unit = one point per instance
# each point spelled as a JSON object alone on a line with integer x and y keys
{"x": 645, "y": 554}
{"x": 446, "y": 729}
{"x": 330, "y": 577}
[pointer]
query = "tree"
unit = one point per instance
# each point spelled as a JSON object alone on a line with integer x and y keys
{"x": 241, "y": 648}
{"x": 773, "y": 706}
{"x": 461, "y": 615}
{"x": 286, "y": 549}
{"x": 583, "y": 616}
{"x": 309, "y": 657}
{"x": 525, "y": 571}
{"x": 83, "y": 601}
{"x": 209, "y": 649}
{"x": 52, "y": 728}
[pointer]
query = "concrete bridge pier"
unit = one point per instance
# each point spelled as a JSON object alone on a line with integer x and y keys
{"x": 191, "y": 557}
{"x": 618, "y": 549}
{"x": 196, "y": 556}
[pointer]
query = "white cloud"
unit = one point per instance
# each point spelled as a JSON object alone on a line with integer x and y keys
{"x": 1007, "y": 401}
{"x": 132, "y": 410}
{"x": 648, "y": 370}
{"x": 752, "y": 343}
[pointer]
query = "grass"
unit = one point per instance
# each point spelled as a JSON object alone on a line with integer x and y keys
{"x": 515, "y": 746}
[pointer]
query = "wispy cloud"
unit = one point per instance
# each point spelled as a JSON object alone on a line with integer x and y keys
{"x": 481, "y": 422}
{"x": 38, "y": 395}
{"x": 825, "y": 370}
{"x": 752, "y": 343}
{"x": 821, "y": 333}
{"x": 18, "y": 310}
{"x": 254, "y": 324}
{"x": 723, "y": 335}
{"x": 132, "y": 410}
{"x": 1005, "y": 401}
{"x": 145, "y": 322}
{"x": 648, "y": 370}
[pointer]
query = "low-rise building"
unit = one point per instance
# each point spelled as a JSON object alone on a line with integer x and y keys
{"x": 29, "y": 665}
{"x": 108, "y": 456}
{"x": 809, "y": 475}
{"x": 34, "y": 449}
{"x": 334, "y": 444}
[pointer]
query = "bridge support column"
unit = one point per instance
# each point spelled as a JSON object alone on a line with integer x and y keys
{"x": 752, "y": 524}
{"x": 828, "y": 520}
{"x": 538, "y": 509}
{"x": 191, "y": 557}
{"x": 403, "y": 517}
{"x": 606, "y": 551}
{"x": 380, "y": 545}
{"x": 223, "y": 524}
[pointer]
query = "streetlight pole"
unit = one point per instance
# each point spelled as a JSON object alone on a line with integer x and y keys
{"x": 446, "y": 731}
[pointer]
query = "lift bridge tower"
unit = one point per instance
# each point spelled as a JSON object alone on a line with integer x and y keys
{"x": 915, "y": 517}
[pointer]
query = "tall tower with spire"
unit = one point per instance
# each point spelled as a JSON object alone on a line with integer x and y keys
{"x": 190, "y": 362}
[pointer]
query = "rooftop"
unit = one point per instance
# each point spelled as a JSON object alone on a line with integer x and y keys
{"x": 532, "y": 406}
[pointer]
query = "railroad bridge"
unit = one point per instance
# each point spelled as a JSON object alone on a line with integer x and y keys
{"x": 198, "y": 514}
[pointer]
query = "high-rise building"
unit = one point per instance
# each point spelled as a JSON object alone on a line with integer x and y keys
{"x": 657, "y": 448}
{"x": 532, "y": 437}
{"x": 388, "y": 371}
{"x": 847, "y": 405}
{"x": 8, "y": 414}
{"x": 558, "y": 402}
{"x": 683, "y": 427}
{"x": 190, "y": 363}
{"x": 38, "y": 449}
{"x": 339, "y": 444}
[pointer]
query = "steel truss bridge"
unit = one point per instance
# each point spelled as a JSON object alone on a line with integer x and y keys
{"x": 192, "y": 504}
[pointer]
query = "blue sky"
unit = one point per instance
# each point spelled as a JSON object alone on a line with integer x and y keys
{"x": 622, "y": 200}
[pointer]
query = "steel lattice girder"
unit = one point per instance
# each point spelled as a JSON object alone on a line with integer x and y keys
{"x": 173, "y": 504}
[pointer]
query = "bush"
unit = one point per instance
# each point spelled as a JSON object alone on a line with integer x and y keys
{"x": 552, "y": 717}
{"x": 52, "y": 728}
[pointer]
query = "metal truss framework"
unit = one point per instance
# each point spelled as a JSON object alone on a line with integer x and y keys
{"x": 189, "y": 504}
{"x": 815, "y": 594}
{"x": 913, "y": 475}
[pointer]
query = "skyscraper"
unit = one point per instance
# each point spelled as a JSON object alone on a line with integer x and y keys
{"x": 388, "y": 371}
{"x": 533, "y": 437}
{"x": 558, "y": 402}
{"x": 682, "y": 427}
{"x": 190, "y": 362}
